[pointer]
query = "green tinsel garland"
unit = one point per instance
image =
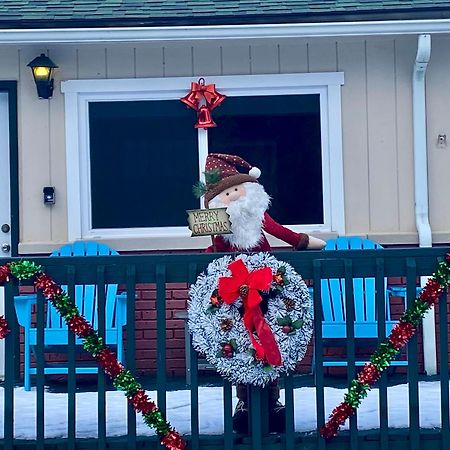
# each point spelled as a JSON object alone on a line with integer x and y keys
{"x": 24, "y": 270}
{"x": 94, "y": 344}
{"x": 388, "y": 350}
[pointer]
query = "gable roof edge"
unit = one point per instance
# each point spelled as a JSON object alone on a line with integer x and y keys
{"x": 183, "y": 33}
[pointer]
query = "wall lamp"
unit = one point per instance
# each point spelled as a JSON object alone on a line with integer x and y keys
{"x": 49, "y": 195}
{"x": 42, "y": 68}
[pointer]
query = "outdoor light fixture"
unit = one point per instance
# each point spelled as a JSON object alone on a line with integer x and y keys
{"x": 42, "y": 68}
{"x": 49, "y": 195}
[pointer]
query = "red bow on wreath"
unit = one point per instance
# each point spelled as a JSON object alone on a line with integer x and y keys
{"x": 206, "y": 94}
{"x": 245, "y": 284}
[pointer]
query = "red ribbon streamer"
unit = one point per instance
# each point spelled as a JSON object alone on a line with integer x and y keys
{"x": 246, "y": 284}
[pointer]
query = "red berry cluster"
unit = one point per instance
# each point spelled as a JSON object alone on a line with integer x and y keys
{"x": 227, "y": 350}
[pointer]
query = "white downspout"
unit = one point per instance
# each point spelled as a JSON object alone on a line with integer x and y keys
{"x": 421, "y": 185}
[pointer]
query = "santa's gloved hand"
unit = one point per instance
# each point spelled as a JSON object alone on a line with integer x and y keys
{"x": 315, "y": 243}
{"x": 307, "y": 242}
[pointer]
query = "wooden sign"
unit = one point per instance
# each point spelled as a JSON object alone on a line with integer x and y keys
{"x": 206, "y": 222}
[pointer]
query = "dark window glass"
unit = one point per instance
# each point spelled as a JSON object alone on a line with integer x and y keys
{"x": 144, "y": 161}
{"x": 281, "y": 136}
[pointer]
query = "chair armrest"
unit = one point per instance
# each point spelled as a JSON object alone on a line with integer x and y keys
{"x": 23, "y": 304}
{"x": 121, "y": 313}
{"x": 400, "y": 291}
{"x": 397, "y": 291}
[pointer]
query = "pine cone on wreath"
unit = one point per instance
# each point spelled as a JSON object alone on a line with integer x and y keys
{"x": 289, "y": 303}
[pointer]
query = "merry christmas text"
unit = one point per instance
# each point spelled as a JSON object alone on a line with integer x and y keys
{"x": 205, "y": 222}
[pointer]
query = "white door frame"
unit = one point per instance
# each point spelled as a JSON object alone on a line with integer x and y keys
{"x": 5, "y": 201}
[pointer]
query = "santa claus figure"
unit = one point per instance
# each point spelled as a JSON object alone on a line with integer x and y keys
{"x": 247, "y": 203}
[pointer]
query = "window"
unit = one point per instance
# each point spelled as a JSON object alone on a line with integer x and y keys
{"x": 142, "y": 171}
{"x": 133, "y": 153}
{"x": 281, "y": 135}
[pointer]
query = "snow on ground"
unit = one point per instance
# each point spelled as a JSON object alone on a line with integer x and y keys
{"x": 210, "y": 410}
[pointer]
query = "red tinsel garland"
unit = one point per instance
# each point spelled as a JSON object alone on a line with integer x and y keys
{"x": 5, "y": 273}
{"x": 142, "y": 403}
{"x": 108, "y": 362}
{"x": 105, "y": 357}
{"x": 80, "y": 326}
{"x": 401, "y": 333}
{"x": 431, "y": 292}
{"x": 173, "y": 441}
{"x": 338, "y": 417}
{"x": 4, "y": 330}
{"x": 369, "y": 374}
{"x": 48, "y": 287}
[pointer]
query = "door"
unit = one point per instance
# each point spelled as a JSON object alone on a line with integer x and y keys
{"x": 5, "y": 203}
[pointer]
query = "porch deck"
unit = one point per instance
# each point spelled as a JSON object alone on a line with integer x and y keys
{"x": 407, "y": 411}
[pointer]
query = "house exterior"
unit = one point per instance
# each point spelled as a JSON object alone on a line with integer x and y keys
{"x": 328, "y": 98}
{"x": 355, "y": 85}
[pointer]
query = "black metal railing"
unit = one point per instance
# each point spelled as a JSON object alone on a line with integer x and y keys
{"x": 161, "y": 269}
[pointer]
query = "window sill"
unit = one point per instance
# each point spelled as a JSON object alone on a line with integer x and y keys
{"x": 148, "y": 244}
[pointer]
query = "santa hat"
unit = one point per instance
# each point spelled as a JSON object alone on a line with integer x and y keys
{"x": 221, "y": 172}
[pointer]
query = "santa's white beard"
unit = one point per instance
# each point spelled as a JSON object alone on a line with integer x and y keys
{"x": 246, "y": 216}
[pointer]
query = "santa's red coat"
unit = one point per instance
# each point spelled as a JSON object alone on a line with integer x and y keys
{"x": 298, "y": 240}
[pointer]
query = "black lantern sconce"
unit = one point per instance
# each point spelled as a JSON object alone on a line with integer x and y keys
{"x": 49, "y": 195}
{"x": 42, "y": 68}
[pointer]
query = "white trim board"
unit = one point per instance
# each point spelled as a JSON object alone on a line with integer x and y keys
{"x": 5, "y": 202}
{"x": 259, "y": 31}
{"x": 78, "y": 94}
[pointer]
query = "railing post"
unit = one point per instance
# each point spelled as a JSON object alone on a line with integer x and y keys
{"x": 350, "y": 339}
{"x": 318, "y": 352}
{"x": 11, "y": 359}
{"x": 131, "y": 348}
{"x": 413, "y": 387}
{"x": 257, "y": 401}
{"x": 101, "y": 377}
{"x": 71, "y": 369}
{"x": 193, "y": 375}
{"x": 382, "y": 303}
{"x": 443, "y": 369}
{"x": 161, "y": 380}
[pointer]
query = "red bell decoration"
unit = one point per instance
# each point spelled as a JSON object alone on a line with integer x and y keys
{"x": 203, "y": 98}
{"x": 204, "y": 118}
{"x": 216, "y": 99}
{"x": 191, "y": 100}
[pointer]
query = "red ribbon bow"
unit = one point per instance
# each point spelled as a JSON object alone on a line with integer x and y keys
{"x": 246, "y": 284}
{"x": 200, "y": 89}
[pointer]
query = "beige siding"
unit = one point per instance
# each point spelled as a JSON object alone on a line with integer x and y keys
{"x": 34, "y": 154}
{"x": 381, "y": 136}
{"x": 352, "y": 61}
{"x": 376, "y": 103}
{"x": 438, "y": 90}
{"x": 405, "y": 52}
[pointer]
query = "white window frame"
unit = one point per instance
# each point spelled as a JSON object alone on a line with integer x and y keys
{"x": 79, "y": 93}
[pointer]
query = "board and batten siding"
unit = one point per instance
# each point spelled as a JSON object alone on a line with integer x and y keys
{"x": 376, "y": 120}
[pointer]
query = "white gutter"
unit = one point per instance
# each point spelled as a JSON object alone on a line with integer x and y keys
{"x": 181, "y": 33}
{"x": 421, "y": 185}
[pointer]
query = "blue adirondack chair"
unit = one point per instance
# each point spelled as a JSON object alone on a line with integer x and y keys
{"x": 55, "y": 333}
{"x": 333, "y": 303}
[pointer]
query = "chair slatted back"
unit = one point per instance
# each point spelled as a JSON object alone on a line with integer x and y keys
{"x": 85, "y": 295}
{"x": 333, "y": 290}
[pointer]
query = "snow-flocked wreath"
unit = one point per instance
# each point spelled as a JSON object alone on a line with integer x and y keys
{"x": 250, "y": 292}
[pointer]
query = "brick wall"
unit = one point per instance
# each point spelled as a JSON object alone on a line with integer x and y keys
{"x": 176, "y": 301}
